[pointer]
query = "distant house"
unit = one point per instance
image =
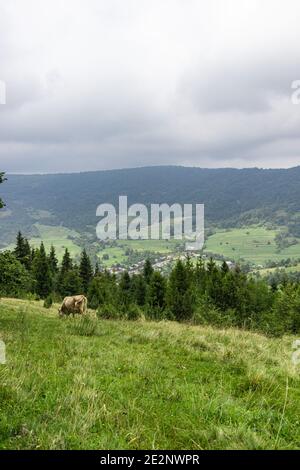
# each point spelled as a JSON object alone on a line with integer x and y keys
{"x": 230, "y": 264}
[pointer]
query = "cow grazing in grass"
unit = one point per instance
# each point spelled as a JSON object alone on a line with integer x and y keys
{"x": 72, "y": 305}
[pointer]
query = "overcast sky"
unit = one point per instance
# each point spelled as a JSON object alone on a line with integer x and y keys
{"x": 99, "y": 84}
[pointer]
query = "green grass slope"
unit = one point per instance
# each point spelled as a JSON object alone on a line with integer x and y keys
{"x": 91, "y": 384}
{"x": 254, "y": 244}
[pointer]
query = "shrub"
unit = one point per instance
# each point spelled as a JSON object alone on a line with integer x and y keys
{"x": 108, "y": 311}
{"x": 14, "y": 279}
{"x": 155, "y": 313}
{"x": 133, "y": 312}
{"x": 270, "y": 324}
{"x": 208, "y": 314}
{"x": 48, "y": 302}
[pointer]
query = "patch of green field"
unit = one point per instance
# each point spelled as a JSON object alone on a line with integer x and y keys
{"x": 93, "y": 384}
{"x": 254, "y": 244}
{"x": 290, "y": 269}
{"x": 60, "y": 237}
{"x": 116, "y": 256}
{"x": 156, "y": 246}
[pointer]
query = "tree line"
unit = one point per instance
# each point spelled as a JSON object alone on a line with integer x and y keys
{"x": 200, "y": 292}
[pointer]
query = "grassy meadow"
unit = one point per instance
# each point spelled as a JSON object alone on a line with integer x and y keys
{"x": 117, "y": 254}
{"x": 86, "y": 383}
{"x": 253, "y": 244}
{"x": 287, "y": 270}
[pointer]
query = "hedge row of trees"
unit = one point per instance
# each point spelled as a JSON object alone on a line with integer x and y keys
{"x": 200, "y": 292}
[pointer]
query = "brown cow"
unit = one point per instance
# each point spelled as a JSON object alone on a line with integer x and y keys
{"x": 72, "y": 305}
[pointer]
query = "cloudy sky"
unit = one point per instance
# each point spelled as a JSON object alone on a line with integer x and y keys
{"x": 98, "y": 84}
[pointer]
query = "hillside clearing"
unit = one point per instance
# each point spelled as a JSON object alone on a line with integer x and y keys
{"x": 91, "y": 384}
{"x": 253, "y": 244}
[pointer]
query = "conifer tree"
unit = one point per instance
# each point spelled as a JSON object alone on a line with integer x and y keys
{"x": 85, "y": 271}
{"x": 148, "y": 270}
{"x": 139, "y": 289}
{"x": 18, "y": 251}
{"x": 22, "y": 251}
{"x": 71, "y": 283}
{"x": 211, "y": 267}
{"x": 66, "y": 267}
{"x": 53, "y": 262}
{"x": 181, "y": 300}
{"x": 66, "y": 264}
{"x": 42, "y": 273}
{"x": 97, "y": 269}
{"x": 27, "y": 255}
{"x": 125, "y": 290}
{"x": 189, "y": 265}
{"x": 102, "y": 290}
{"x": 32, "y": 253}
{"x": 224, "y": 268}
{"x": 200, "y": 276}
{"x": 156, "y": 297}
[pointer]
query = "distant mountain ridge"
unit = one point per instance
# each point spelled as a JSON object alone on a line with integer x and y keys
{"x": 231, "y": 196}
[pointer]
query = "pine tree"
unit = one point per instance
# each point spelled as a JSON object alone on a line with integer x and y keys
{"x": 22, "y": 251}
{"x": 125, "y": 293}
{"x": 224, "y": 268}
{"x": 18, "y": 251}
{"x": 32, "y": 253}
{"x": 66, "y": 264}
{"x": 42, "y": 273}
{"x": 148, "y": 270}
{"x": 181, "y": 301}
{"x": 200, "y": 276}
{"x": 53, "y": 263}
{"x": 97, "y": 269}
{"x": 27, "y": 255}
{"x": 85, "y": 271}
{"x": 139, "y": 289}
{"x": 211, "y": 267}
{"x": 156, "y": 296}
{"x": 102, "y": 290}
{"x": 66, "y": 267}
{"x": 71, "y": 284}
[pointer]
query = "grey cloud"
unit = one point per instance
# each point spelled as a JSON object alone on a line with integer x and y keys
{"x": 96, "y": 86}
{"x": 246, "y": 86}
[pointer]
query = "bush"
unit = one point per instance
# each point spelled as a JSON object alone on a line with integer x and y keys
{"x": 48, "y": 302}
{"x": 208, "y": 314}
{"x": 15, "y": 281}
{"x": 156, "y": 313}
{"x": 133, "y": 312}
{"x": 108, "y": 312}
{"x": 270, "y": 324}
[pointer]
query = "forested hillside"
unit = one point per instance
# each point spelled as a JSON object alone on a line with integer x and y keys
{"x": 232, "y": 197}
